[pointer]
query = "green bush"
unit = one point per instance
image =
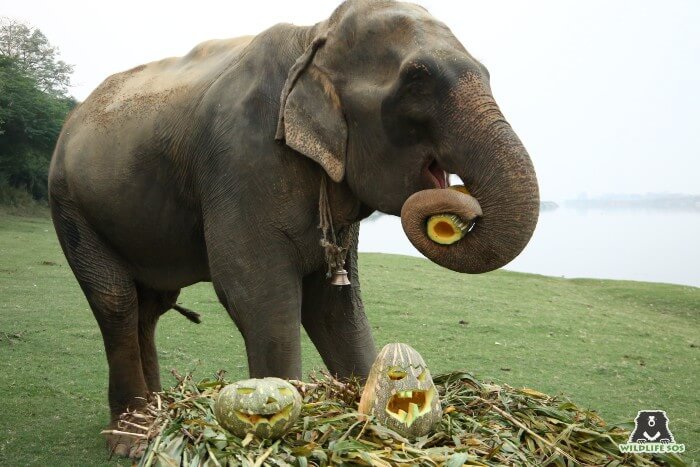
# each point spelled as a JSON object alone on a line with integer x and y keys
{"x": 31, "y": 117}
{"x": 18, "y": 201}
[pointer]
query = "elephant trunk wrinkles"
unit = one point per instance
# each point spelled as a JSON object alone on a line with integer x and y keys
{"x": 484, "y": 151}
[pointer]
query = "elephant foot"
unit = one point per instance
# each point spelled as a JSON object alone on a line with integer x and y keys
{"x": 125, "y": 446}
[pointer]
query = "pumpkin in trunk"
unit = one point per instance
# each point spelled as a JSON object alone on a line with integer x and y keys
{"x": 267, "y": 407}
{"x": 400, "y": 392}
{"x": 448, "y": 228}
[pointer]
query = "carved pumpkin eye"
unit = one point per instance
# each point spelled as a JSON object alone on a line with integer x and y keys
{"x": 245, "y": 391}
{"x": 423, "y": 375}
{"x": 396, "y": 374}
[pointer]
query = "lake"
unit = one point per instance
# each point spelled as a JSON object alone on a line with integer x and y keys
{"x": 635, "y": 244}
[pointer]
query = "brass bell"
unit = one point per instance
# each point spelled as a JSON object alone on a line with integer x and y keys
{"x": 340, "y": 277}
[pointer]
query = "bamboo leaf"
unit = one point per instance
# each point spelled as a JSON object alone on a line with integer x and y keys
{"x": 457, "y": 459}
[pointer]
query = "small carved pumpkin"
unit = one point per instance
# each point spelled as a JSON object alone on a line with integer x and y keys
{"x": 400, "y": 392}
{"x": 267, "y": 407}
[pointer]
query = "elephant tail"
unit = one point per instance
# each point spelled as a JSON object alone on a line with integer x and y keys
{"x": 187, "y": 313}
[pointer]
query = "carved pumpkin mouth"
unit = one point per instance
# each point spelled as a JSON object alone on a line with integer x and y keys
{"x": 256, "y": 419}
{"x": 409, "y": 406}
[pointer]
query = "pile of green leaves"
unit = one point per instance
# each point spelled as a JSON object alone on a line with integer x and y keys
{"x": 483, "y": 424}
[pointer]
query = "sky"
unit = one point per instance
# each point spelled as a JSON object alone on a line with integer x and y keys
{"x": 604, "y": 94}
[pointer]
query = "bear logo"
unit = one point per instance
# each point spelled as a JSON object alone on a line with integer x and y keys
{"x": 651, "y": 426}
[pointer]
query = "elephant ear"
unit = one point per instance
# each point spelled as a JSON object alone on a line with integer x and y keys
{"x": 311, "y": 119}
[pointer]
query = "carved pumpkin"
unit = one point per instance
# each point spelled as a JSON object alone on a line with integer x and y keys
{"x": 267, "y": 407}
{"x": 400, "y": 392}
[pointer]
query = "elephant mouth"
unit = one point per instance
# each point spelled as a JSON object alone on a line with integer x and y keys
{"x": 409, "y": 406}
{"x": 256, "y": 419}
{"x": 434, "y": 175}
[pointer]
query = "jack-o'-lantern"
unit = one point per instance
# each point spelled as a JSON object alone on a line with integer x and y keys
{"x": 400, "y": 392}
{"x": 267, "y": 407}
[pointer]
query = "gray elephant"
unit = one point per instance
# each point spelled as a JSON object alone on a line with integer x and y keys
{"x": 209, "y": 167}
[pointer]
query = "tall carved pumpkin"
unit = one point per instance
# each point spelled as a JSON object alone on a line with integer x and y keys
{"x": 267, "y": 407}
{"x": 400, "y": 392}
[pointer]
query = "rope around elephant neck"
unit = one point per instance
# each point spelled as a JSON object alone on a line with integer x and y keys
{"x": 335, "y": 253}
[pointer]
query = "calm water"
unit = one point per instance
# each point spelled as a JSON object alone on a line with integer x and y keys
{"x": 644, "y": 245}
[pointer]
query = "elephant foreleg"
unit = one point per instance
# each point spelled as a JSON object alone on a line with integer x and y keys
{"x": 266, "y": 312}
{"x": 335, "y": 320}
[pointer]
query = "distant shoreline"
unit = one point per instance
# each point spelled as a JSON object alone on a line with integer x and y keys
{"x": 671, "y": 202}
{"x": 666, "y": 201}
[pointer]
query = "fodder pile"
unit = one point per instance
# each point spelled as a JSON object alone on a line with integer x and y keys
{"x": 483, "y": 424}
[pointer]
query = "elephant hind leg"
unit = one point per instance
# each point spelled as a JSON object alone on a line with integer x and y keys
{"x": 152, "y": 304}
{"x": 111, "y": 294}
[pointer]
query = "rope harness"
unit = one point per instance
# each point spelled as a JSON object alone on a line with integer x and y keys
{"x": 335, "y": 249}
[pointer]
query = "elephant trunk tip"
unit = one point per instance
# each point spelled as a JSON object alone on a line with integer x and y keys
{"x": 450, "y": 228}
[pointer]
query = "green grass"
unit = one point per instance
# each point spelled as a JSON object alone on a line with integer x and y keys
{"x": 617, "y": 347}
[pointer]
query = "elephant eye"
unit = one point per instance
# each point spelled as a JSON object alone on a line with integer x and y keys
{"x": 396, "y": 374}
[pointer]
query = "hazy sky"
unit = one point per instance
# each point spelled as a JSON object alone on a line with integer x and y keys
{"x": 604, "y": 94}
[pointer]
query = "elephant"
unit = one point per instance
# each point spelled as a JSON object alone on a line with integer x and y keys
{"x": 211, "y": 167}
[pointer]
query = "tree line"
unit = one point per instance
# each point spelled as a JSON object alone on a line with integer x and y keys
{"x": 34, "y": 102}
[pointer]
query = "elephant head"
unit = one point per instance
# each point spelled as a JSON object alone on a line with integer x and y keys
{"x": 386, "y": 99}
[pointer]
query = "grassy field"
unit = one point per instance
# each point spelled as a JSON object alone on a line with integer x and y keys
{"x": 617, "y": 347}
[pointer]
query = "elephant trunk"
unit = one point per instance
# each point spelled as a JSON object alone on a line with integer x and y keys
{"x": 499, "y": 213}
